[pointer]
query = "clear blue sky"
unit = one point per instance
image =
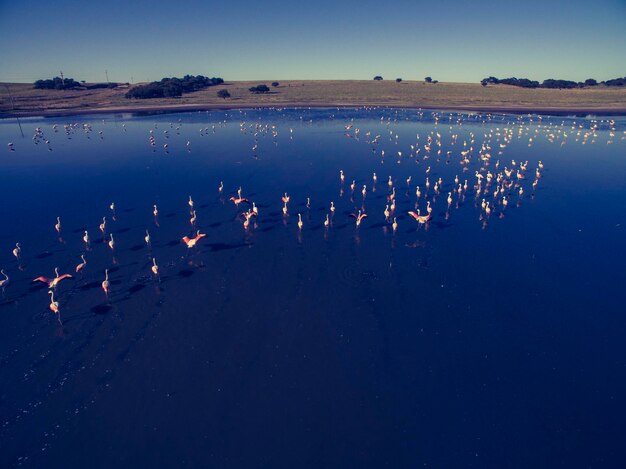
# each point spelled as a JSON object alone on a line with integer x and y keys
{"x": 450, "y": 40}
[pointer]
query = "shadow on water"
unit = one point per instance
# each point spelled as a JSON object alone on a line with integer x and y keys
{"x": 223, "y": 246}
{"x": 101, "y": 309}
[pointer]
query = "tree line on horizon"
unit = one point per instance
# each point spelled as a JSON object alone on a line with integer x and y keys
{"x": 172, "y": 87}
{"x": 551, "y": 83}
{"x": 58, "y": 83}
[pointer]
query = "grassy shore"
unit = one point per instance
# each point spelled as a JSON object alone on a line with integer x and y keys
{"x": 27, "y": 101}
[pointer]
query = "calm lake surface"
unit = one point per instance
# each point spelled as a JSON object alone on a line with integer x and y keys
{"x": 472, "y": 340}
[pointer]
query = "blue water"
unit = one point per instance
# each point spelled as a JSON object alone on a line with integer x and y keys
{"x": 473, "y": 340}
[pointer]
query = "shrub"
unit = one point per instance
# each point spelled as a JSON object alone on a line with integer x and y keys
{"x": 378, "y": 78}
{"x": 259, "y": 89}
{"x": 223, "y": 94}
{"x": 398, "y": 80}
{"x": 275, "y": 84}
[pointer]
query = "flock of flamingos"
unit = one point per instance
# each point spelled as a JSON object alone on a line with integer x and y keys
{"x": 492, "y": 185}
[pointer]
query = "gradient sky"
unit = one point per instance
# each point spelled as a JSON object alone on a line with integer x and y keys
{"x": 450, "y": 40}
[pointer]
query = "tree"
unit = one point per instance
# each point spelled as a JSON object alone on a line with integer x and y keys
{"x": 398, "y": 80}
{"x": 56, "y": 83}
{"x": 259, "y": 89}
{"x": 378, "y": 78}
{"x": 223, "y": 94}
{"x": 590, "y": 82}
{"x": 428, "y": 80}
{"x": 172, "y": 87}
{"x": 275, "y": 84}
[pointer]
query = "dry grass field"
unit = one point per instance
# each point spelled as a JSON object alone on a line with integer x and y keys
{"x": 301, "y": 93}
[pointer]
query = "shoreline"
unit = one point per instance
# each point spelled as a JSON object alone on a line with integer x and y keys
{"x": 166, "y": 109}
{"x": 22, "y": 100}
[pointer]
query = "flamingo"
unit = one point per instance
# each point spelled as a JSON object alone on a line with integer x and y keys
{"x": 155, "y": 211}
{"x": 155, "y": 267}
{"x": 449, "y": 198}
{"x": 190, "y": 203}
{"x": 341, "y": 176}
{"x": 394, "y": 225}
{"x": 5, "y": 281}
{"x": 285, "y": 209}
{"x": 374, "y": 178}
{"x": 86, "y": 238}
{"x": 105, "y": 282}
{"x": 58, "y": 225}
{"x": 285, "y": 198}
{"x": 386, "y": 212}
{"x": 191, "y": 242}
{"x": 52, "y": 282}
{"x": 103, "y": 225}
{"x": 327, "y": 221}
{"x": 82, "y": 265}
{"x": 358, "y": 217}
{"x": 418, "y": 193}
{"x": 420, "y": 218}
{"x": 146, "y": 238}
{"x": 300, "y": 221}
{"x": 237, "y": 200}
{"x": 17, "y": 251}
{"x": 255, "y": 209}
{"x": 247, "y": 215}
{"x": 332, "y": 207}
{"x": 54, "y": 306}
{"x": 193, "y": 218}
{"x": 221, "y": 187}
{"x": 111, "y": 242}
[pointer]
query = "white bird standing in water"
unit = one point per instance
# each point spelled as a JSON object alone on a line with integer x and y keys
{"x": 82, "y": 265}
{"x": 17, "y": 251}
{"x": 5, "y": 281}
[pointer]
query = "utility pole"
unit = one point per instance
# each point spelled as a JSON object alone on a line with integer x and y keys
{"x": 106, "y": 73}
{"x": 62, "y": 79}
